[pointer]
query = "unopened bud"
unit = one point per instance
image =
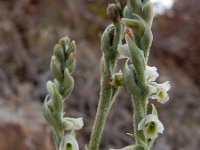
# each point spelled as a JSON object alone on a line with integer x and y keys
{"x": 68, "y": 84}
{"x": 55, "y": 96}
{"x": 117, "y": 79}
{"x": 68, "y": 46}
{"x": 148, "y": 12}
{"x": 121, "y": 4}
{"x": 59, "y": 53}
{"x": 71, "y": 63}
{"x": 56, "y": 69}
{"x": 48, "y": 112}
{"x": 135, "y": 5}
{"x": 113, "y": 12}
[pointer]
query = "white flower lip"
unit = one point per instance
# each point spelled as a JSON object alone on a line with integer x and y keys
{"x": 148, "y": 131}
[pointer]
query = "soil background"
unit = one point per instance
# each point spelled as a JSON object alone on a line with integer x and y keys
{"x": 28, "y": 31}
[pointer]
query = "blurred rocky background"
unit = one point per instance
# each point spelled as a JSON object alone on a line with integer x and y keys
{"x": 28, "y": 31}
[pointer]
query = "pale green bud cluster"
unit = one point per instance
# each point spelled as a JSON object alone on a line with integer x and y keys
{"x": 62, "y": 65}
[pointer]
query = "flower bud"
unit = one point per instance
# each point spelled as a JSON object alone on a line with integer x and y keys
{"x": 56, "y": 69}
{"x": 107, "y": 43}
{"x": 116, "y": 79}
{"x": 135, "y": 5}
{"x": 127, "y": 13}
{"x": 68, "y": 84}
{"x": 64, "y": 42}
{"x": 113, "y": 12}
{"x": 71, "y": 63}
{"x": 48, "y": 112}
{"x": 71, "y": 48}
{"x": 55, "y": 96}
{"x": 122, "y": 4}
{"x": 146, "y": 40}
{"x": 68, "y": 46}
{"x": 148, "y": 12}
{"x": 59, "y": 53}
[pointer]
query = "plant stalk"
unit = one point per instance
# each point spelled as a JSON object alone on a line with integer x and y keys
{"x": 107, "y": 93}
{"x": 140, "y": 111}
{"x": 105, "y": 102}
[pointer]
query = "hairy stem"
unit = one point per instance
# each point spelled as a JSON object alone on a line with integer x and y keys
{"x": 107, "y": 93}
{"x": 140, "y": 107}
{"x": 105, "y": 102}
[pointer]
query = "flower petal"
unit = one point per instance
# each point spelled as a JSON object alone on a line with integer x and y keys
{"x": 151, "y": 74}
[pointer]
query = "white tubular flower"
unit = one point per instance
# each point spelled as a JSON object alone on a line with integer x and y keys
{"x": 151, "y": 126}
{"x": 151, "y": 74}
{"x": 71, "y": 143}
{"x": 72, "y": 123}
{"x": 161, "y": 91}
